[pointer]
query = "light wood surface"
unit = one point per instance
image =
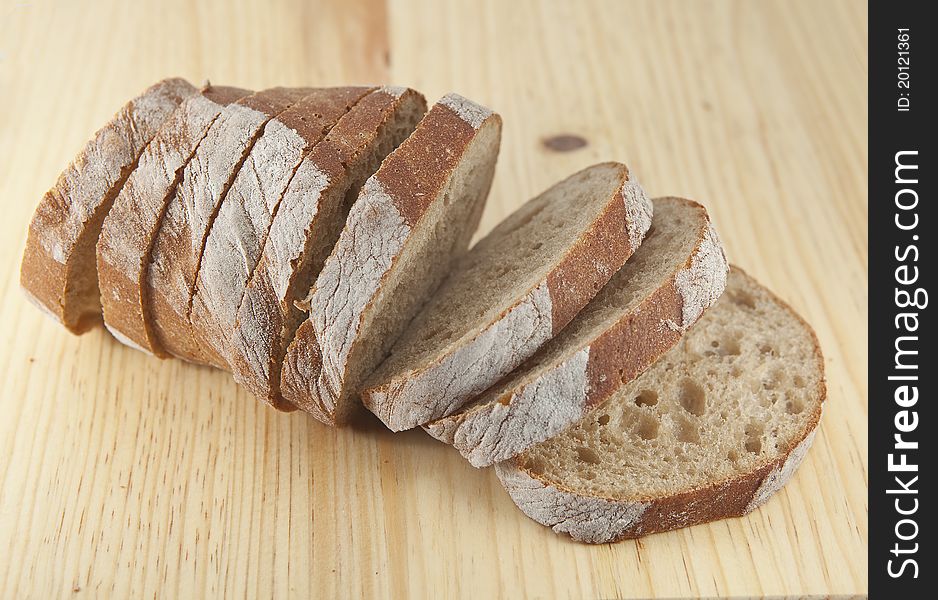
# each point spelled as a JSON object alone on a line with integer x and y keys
{"x": 125, "y": 476}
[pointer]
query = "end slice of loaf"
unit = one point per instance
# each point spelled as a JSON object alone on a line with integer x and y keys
{"x": 412, "y": 220}
{"x": 305, "y": 229}
{"x": 123, "y": 249}
{"x": 516, "y": 289}
{"x": 677, "y": 272}
{"x": 58, "y": 271}
{"x": 177, "y": 250}
{"x": 239, "y": 232}
{"x": 711, "y": 431}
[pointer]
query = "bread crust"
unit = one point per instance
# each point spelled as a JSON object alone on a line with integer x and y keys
{"x": 537, "y": 409}
{"x": 127, "y": 236}
{"x": 58, "y": 269}
{"x": 437, "y": 389}
{"x": 391, "y": 204}
{"x": 239, "y": 232}
{"x": 300, "y": 238}
{"x": 177, "y": 251}
{"x": 597, "y": 519}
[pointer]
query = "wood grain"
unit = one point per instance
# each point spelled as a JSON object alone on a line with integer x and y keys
{"x": 122, "y": 475}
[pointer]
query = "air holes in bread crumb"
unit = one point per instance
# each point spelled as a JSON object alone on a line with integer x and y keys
{"x": 765, "y": 348}
{"x": 729, "y": 346}
{"x": 585, "y": 455}
{"x": 793, "y": 406}
{"x": 687, "y": 431}
{"x": 647, "y": 428}
{"x": 773, "y": 380}
{"x": 754, "y": 437}
{"x": 603, "y": 419}
{"x": 741, "y": 298}
{"x": 692, "y": 398}
{"x": 646, "y": 398}
{"x": 798, "y": 380}
{"x": 537, "y": 246}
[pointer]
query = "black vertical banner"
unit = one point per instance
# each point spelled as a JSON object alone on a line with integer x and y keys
{"x": 902, "y": 267}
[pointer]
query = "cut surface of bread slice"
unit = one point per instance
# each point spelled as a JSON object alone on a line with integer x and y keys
{"x": 711, "y": 431}
{"x": 58, "y": 271}
{"x": 516, "y": 289}
{"x": 413, "y": 218}
{"x": 177, "y": 249}
{"x": 238, "y": 234}
{"x": 123, "y": 250}
{"x": 305, "y": 228}
{"x": 677, "y": 272}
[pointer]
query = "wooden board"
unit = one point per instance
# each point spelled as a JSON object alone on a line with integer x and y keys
{"x": 121, "y": 475}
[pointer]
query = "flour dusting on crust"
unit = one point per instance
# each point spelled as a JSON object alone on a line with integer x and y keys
{"x": 120, "y": 337}
{"x": 287, "y": 238}
{"x": 447, "y": 384}
{"x": 779, "y": 476}
{"x": 498, "y": 431}
{"x": 585, "y": 519}
{"x": 701, "y": 284}
{"x": 467, "y": 110}
{"x": 374, "y": 234}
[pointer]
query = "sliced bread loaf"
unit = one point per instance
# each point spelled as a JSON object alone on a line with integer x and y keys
{"x": 516, "y": 289}
{"x": 239, "y": 232}
{"x": 677, "y": 272}
{"x": 711, "y": 431}
{"x": 177, "y": 250}
{"x": 305, "y": 229}
{"x": 58, "y": 271}
{"x": 123, "y": 250}
{"x": 413, "y": 218}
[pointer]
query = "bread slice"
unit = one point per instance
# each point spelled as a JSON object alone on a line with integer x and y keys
{"x": 58, "y": 271}
{"x": 177, "y": 250}
{"x": 516, "y": 289}
{"x": 237, "y": 236}
{"x": 305, "y": 229}
{"x": 123, "y": 249}
{"x": 711, "y": 431}
{"x": 677, "y": 272}
{"x": 413, "y": 218}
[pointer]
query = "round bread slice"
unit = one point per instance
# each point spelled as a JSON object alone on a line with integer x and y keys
{"x": 177, "y": 250}
{"x": 58, "y": 272}
{"x": 516, "y": 289}
{"x": 711, "y": 431}
{"x": 123, "y": 250}
{"x": 238, "y": 234}
{"x": 412, "y": 220}
{"x": 305, "y": 229}
{"x": 677, "y": 272}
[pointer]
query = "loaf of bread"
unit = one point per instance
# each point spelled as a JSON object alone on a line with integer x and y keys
{"x": 313, "y": 241}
